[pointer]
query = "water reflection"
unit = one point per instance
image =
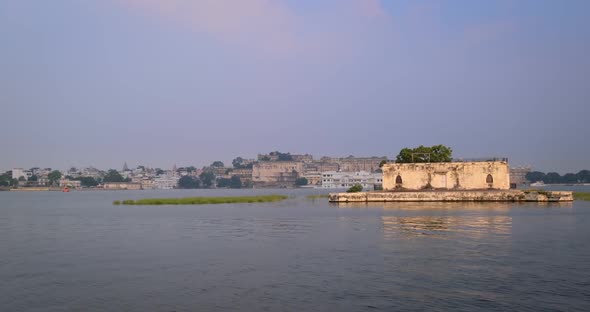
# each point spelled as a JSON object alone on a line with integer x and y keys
{"x": 395, "y": 227}
{"x": 479, "y": 206}
{"x": 555, "y": 204}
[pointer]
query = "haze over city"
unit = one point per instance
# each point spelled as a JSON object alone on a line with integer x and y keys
{"x": 156, "y": 83}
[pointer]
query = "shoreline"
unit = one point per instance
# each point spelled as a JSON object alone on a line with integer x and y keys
{"x": 454, "y": 196}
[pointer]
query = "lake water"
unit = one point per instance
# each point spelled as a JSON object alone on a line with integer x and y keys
{"x": 77, "y": 252}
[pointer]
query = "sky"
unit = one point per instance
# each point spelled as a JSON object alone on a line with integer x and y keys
{"x": 187, "y": 82}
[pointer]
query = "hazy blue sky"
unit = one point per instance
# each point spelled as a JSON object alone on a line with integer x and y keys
{"x": 158, "y": 82}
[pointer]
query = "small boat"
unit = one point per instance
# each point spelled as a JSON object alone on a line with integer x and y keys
{"x": 66, "y": 189}
{"x": 538, "y": 184}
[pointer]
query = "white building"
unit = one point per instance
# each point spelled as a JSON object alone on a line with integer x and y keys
{"x": 70, "y": 183}
{"x": 91, "y": 172}
{"x": 148, "y": 184}
{"x": 43, "y": 173}
{"x": 18, "y": 173}
{"x": 335, "y": 179}
{"x": 73, "y": 172}
{"x": 166, "y": 182}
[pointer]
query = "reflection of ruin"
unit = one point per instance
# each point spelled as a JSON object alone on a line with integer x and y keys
{"x": 395, "y": 227}
{"x": 450, "y": 206}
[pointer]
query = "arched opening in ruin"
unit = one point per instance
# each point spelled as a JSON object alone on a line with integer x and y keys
{"x": 398, "y": 179}
{"x": 489, "y": 179}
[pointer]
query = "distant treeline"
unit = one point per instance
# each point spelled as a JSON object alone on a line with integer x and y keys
{"x": 554, "y": 177}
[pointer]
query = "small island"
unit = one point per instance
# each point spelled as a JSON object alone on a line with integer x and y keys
{"x": 427, "y": 174}
{"x": 203, "y": 200}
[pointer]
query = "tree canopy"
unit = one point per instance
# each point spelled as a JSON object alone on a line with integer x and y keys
{"x": 233, "y": 182}
{"x": 218, "y": 164}
{"x": 301, "y": 181}
{"x": 188, "y": 182}
{"x": 238, "y": 162}
{"x": 283, "y": 156}
{"x": 54, "y": 176}
{"x": 355, "y": 188}
{"x": 207, "y": 178}
{"x": 535, "y": 176}
{"x": 113, "y": 176}
{"x": 422, "y": 154}
{"x": 582, "y": 176}
{"x": 7, "y": 180}
{"x": 88, "y": 181}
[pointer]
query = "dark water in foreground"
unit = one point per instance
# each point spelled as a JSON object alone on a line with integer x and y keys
{"x": 77, "y": 252}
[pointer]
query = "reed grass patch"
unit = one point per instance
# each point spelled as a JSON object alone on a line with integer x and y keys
{"x": 582, "y": 196}
{"x": 205, "y": 200}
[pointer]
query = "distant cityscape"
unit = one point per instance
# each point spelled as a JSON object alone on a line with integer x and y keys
{"x": 272, "y": 170}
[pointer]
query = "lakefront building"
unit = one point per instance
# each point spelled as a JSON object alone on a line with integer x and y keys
{"x": 276, "y": 173}
{"x": 334, "y": 179}
{"x": 74, "y": 184}
{"x": 447, "y": 176}
{"x": 18, "y": 173}
{"x": 166, "y": 182}
{"x": 121, "y": 186}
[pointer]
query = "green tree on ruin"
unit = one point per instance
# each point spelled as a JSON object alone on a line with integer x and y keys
{"x": 422, "y": 154}
{"x": 355, "y": 188}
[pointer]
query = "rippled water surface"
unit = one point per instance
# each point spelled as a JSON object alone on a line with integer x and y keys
{"x": 77, "y": 252}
